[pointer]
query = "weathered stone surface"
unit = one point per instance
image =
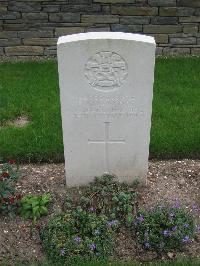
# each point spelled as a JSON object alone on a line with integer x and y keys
{"x": 80, "y": 1}
{"x": 10, "y": 42}
{"x": 24, "y": 50}
{"x": 164, "y": 20}
{"x": 9, "y": 15}
{"x": 51, "y": 8}
{"x": 192, "y": 3}
{"x": 68, "y": 30}
{"x": 99, "y": 19}
{"x": 3, "y": 8}
{"x": 197, "y": 12}
{"x": 35, "y": 16}
{"x": 8, "y": 34}
{"x": 126, "y": 28}
{"x": 190, "y": 19}
{"x": 64, "y": 17}
{"x": 162, "y": 29}
{"x": 27, "y": 19}
{"x": 16, "y": 27}
{"x": 106, "y": 9}
{"x": 24, "y": 6}
{"x": 97, "y": 29}
{"x": 131, "y": 10}
{"x": 160, "y": 38}
{"x": 35, "y": 33}
{"x": 120, "y": 1}
{"x": 190, "y": 29}
{"x": 185, "y": 11}
{"x": 195, "y": 51}
{"x": 50, "y": 51}
{"x": 176, "y": 51}
{"x": 162, "y": 2}
{"x": 1, "y": 51}
{"x": 168, "y": 11}
{"x": 186, "y": 40}
{"x": 40, "y": 41}
{"x": 81, "y": 8}
{"x": 198, "y": 40}
{"x": 159, "y": 50}
{"x": 135, "y": 20}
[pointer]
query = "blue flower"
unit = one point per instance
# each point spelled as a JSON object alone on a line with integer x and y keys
{"x": 198, "y": 228}
{"x": 177, "y": 204}
{"x": 146, "y": 245}
{"x": 77, "y": 239}
{"x": 186, "y": 240}
{"x": 174, "y": 228}
{"x": 92, "y": 209}
{"x": 186, "y": 225}
{"x": 62, "y": 251}
{"x": 112, "y": 223}
{"x": 140, "y": 218}
{"x": 92, "y": 246}
{"x": 166, "y": 233}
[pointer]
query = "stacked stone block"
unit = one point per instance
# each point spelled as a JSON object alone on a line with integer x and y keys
{"x": 31, "y": 27}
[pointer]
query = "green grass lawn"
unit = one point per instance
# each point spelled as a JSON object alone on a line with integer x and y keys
{"x": 31, "y": 88}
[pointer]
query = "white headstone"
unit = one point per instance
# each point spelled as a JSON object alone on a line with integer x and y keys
{"x": 106, "y": 89}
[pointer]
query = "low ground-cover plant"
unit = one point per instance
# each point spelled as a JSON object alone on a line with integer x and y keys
{"x": 9, "y": 174}
{"x": 33, "y": 207}
{"x": 109, "y": 197}
{"x": 165, "y": 227}
{"x": 78, "y": 233}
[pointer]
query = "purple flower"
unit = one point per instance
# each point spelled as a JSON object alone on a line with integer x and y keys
{"x": 112, "y": 223}
{"x": 195, "y": 208}
{"x": 176, "y": 204}
{"x": 77, "y": 239}
{"x": 62, "y": 251}
{"x": 198, "y": 228}
{"x": 92, "y": 209}
{"x": 166, "y": 233}
{"x": 146, "y": 245}
{"x": 186, "y": 225}
{"x": 92, "y": 246}
{"x": 140, "y": 218}
{"x": 174, "y": 228}
{"x": 186, "y": 240}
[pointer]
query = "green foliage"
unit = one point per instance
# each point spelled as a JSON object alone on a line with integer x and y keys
{"x": 78, "y": 233}
{"x": 34, "y": 207}
{"x": 165, "y": 228}
{"x": 9, "y": 174}
{"x": 108, "y": 197}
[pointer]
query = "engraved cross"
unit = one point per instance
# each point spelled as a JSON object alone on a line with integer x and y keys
{"x": 106, "y": 141}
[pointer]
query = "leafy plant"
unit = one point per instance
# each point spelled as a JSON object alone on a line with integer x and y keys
{"x": 108, "y": 197}
{"x": 78, "y": 233}
{"x": 9, "y": 174}
{"x": 164, "y": 228}
{"x": 34, "y": 207}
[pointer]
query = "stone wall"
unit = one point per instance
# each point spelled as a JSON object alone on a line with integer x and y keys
{"x": 31, "y": 27}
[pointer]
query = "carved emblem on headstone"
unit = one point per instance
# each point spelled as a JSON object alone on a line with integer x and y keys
{"x": 106, "y": 70}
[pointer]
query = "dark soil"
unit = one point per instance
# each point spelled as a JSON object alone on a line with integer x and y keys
{"x": 166, "y": 180}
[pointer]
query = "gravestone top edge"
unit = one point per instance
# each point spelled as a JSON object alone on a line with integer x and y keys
{"x": 106, "y": 36}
